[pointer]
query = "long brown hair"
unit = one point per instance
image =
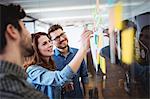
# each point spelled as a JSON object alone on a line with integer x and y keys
{"x": 36, "y": 58}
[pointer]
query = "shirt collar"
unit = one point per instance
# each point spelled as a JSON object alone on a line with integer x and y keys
{"x": 57, "y": 52}
{"x": 11, "y": 68}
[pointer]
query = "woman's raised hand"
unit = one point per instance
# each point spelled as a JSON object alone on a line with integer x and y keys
{"x": 85, "y": 39}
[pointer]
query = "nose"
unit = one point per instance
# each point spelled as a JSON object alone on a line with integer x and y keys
{"x": 50, "y": 44}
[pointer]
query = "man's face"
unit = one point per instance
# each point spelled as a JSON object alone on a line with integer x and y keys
{"x": 25, "y": 42}
{"x": 59, "y": 38}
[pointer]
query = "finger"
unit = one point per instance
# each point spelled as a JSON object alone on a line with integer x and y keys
{"x": 85, "y": 37}
{"x": 86, "y": 33}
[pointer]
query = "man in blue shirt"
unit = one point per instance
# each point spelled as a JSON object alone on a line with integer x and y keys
{"x": 63, "y": 54}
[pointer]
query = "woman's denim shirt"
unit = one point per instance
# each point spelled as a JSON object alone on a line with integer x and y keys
{"x": 49, "y": 82}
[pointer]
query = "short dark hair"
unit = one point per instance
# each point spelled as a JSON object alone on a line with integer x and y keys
{"x": 146, "y": 28}
{"x": 128, "y": 24}
{"x": 145, "y": 36}
{"x": 9, "y": 14}
{"x": 53, "y": 28}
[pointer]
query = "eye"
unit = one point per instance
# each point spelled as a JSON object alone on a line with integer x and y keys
{"x": 44, "y": 43}
{"x": 62, "y": 34}
{"x": 24, "y": 25}
{"x": 57, "y": 37}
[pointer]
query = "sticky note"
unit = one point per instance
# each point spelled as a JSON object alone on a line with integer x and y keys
{"x": 103, "y": 64}
{"x": 98, "y": 57}
{"x": 96, "y": 39}
{"x": 110, "y": 2}
{"x": 127, "y": 41}
{"x": 118, "y": 16}
{"x": 100, "y": 41}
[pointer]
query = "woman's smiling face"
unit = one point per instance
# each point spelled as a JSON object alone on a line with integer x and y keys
{"x": 45, "y": 46}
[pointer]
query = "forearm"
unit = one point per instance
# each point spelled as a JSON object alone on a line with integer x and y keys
{"x": 85, "y": 42}
{"x": 76, "y": 61}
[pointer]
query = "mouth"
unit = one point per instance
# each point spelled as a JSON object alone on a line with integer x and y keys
{"x": 62, "y": 41}
{"x": 50, "y": 50}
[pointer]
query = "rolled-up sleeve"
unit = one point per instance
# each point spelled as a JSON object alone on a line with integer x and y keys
{"x": 42, "y": 76}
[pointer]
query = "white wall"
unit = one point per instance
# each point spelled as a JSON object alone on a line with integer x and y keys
{"x": 30, "y": 26}
{"x": 73, "y": 33}
{"x": 39, "y": 27}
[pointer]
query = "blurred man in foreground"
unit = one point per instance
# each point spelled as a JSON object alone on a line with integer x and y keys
{"x": 15, "y": 43}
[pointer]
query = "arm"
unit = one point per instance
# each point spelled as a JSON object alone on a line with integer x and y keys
{"x": 85, "y": 42}
{"x": 42, "y": 76}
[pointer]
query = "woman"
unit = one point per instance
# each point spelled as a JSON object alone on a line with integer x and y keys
{"x": 42, "y": 72}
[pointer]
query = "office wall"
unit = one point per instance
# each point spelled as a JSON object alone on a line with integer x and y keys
{"x": 73, "y": 34}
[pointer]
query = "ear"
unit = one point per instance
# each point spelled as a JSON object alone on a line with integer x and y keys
{"x": 12, "y": 31}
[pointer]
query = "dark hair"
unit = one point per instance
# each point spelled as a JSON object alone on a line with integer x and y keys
{"x": 53, "y": 28}
{"x": 128, "y": 24}
{"x": 105, "y": 30}
{"x": 145, "y": 36}
{"x": 146, "y": 28}
{"x": 10, "y": 14}
{"x": 36, "y": 58}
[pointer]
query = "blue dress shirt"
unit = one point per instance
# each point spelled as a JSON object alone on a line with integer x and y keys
{"x": 49, "y": 82}
{"x": 61, "y": 61}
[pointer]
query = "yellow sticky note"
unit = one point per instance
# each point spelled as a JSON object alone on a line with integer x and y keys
{"x": 118, "y": 16}
{"x": 98, "y": 58}
{"x": 103, "y": 64}
{"x": 100, "y": 41}
{"x": 127, "y": 41}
